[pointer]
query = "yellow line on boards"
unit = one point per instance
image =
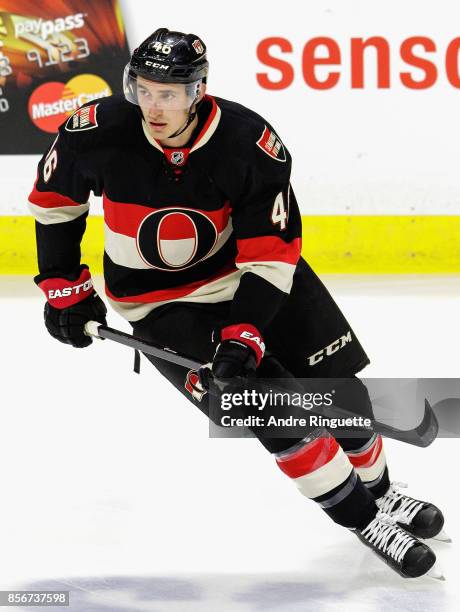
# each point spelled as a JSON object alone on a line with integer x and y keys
{"x": 367, "y": 244}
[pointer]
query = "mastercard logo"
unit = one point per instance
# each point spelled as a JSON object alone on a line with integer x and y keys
{"x": 53, "y": 102}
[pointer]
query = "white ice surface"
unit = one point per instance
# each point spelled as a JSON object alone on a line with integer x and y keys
{"x": 112, "y": 488}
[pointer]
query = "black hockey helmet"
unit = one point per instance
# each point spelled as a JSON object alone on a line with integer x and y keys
{"x": 167, "y": 56}
{"x": 170, "y": 57}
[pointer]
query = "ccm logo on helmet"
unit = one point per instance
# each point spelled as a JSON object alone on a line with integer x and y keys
{"x": 67, "y": 291}
{"x": 257, "y": 339}
{"x": 330, "y": 349}
{"x": 156, "y": 65}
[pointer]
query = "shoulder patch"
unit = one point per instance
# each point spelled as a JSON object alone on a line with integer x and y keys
{"x": 83, "y": 119}
{"x": 272, "y": 145}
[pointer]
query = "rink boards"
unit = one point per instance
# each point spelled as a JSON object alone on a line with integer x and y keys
{"x": 389, "y": 244}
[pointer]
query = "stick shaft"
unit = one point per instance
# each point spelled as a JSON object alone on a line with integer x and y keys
{"x": 102, "y": 331}
{"x": 423, "y": 435}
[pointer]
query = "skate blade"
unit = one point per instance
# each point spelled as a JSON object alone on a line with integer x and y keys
{"x": 436, "y": 573}
{"x": 442, "y": 536}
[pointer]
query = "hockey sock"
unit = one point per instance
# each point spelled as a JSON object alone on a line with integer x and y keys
{"x": 322, "y": 472}
{"x": 370, "y": 464}
{"x": 364, "y": 448}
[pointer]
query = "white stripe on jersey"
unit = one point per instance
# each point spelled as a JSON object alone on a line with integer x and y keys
{"x": 123, "y": 250}
{"x": 220, "y": 290}
{"x": 60, "y": 214}
{"x": 278, "y": 273}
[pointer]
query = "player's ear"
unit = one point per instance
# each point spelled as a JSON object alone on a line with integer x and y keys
{"x": 202, "y": 92}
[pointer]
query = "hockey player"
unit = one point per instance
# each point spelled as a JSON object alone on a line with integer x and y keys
{"x": 202, "y": 254}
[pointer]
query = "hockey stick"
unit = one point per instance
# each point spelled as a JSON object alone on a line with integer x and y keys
{"x": 422, "y": 435}
{"x": 97, "y": 330}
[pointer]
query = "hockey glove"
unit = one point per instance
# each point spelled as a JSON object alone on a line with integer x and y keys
{"x": 72, "y": 302}
{"x": 239, "y": 353}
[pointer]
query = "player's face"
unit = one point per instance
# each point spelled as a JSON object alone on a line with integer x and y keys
{"x": 164, "y": 106}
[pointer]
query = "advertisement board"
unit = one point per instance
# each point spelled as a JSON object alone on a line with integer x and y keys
{"x": 364, "y": 97}
{"x": 54, "y": 57}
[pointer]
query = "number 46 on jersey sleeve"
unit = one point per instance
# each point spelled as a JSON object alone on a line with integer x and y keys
{"x": 280, "y": 210}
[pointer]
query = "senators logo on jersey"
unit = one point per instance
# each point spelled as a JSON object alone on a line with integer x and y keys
{"x": 174, "y": 239}
{"x": 194, "y": 386}
{"x": 272, "y": 145}
{"x": 83, "y": 119}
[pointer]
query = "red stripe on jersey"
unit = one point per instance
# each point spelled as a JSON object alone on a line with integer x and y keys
{"x": 51, "y": 199}
{"x": 309, "y": 458}
{"x": 368, "y": 457}
{"x": 212, "y": 114}
{"x": 268, "y": 248}
{"x": 125, "y": 218}
{"x": 174, "y": 292}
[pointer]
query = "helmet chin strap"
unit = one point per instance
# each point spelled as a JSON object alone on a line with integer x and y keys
{"x": 190, "y": 118}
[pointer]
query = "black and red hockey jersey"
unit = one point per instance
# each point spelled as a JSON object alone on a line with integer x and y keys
{"x": 213, "y": 221}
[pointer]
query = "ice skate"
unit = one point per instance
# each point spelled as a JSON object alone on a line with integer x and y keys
{"x": 403, "y": 552}
{"x": 422, "y": 519}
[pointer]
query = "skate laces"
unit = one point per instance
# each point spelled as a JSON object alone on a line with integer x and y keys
{"x": 384, "y": 533}
{"x": 395, "y": 501}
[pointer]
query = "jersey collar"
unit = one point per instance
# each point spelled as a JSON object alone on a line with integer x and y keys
{"x": 203, "y": 137}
